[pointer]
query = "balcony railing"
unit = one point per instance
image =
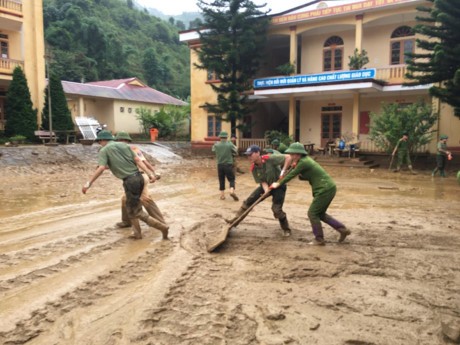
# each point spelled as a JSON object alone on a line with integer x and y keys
{"x": 392, "y": 74}
{"x": 8, "y": 65}
{"x": 243, "y": 144}
{"x": 14, "y": 5}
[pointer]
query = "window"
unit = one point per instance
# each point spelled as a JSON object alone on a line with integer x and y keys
{"x": 214, "y": 125}
{"x": 333, "y": 54}
{"x": 402, "y": 42}
{"x": 211, "y": 76}
{"x": 122, "y": 109}
{"x": 4, "y": 46}
{"x": 130, "y": 110}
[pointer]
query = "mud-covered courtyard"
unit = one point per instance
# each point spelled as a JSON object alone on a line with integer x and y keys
{"x": 69, "y": 276}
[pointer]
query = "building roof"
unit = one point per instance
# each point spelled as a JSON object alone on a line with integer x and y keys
{"x": 131, "y": 89}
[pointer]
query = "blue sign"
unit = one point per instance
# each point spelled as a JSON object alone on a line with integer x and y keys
{"x": 300, "y": 80}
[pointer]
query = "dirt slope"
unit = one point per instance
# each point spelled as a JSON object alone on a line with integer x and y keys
{"x": 67, "y": 276}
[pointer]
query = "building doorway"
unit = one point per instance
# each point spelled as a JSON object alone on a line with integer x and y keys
{"x": 331, "y": 124}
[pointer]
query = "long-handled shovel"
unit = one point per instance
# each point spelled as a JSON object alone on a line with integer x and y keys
{"x": 391, "y": 162}
{"x": 218, "y": 240}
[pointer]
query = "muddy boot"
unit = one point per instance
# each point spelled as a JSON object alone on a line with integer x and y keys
{"x": 237, "y": 215}
{"x": 411, "y": 170}
{"x": 122, "y": 225}
{"x": 285, "y": 226}
{"x": 434, "y": 172}
{"x": 155, "y": 224}
{"x": 397, "y": 169}
{"x": 319, "y": 235}
{"x": 344, "y": 232}
{"x": 136, "y": 227}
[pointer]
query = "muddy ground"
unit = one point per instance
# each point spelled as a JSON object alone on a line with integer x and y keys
{"x": 68, "y": 276}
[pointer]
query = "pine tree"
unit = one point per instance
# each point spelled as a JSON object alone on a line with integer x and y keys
{"x": 440, "y": 60}
{"x": 232, "y": 46}
{"x": 21, "y": 117}
{"x": 60, "y": 113}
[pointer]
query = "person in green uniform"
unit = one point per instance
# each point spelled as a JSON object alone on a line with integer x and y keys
{"x": 278, "y": 146}
{"x": 225, "y": 152}
{"x": 266, "y": 169}
{"x": 402, "y": 147}
{"x": 441, "y": 156}
{"x": 124, "y": 164}
{"x": 323, "y": 188}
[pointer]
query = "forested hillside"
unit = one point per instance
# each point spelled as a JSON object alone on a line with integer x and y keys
{"x": 110, "y": 39}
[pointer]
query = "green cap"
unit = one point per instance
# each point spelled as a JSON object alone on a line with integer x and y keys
{"x": 296, "y": 148}
{"x": 223, "y": 134}
{"x": 123, "y": 136}
{"x": 275, "y": 142}
{"x": 442, "y": 137}
{"x": 104, "y": 135}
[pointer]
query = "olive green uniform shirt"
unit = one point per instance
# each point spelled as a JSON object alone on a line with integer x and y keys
{"x": 309, "y": 170}
{"x": 119, "y": 158}
{"x": 225, "y": 151}
{"x": 270, "y": 169}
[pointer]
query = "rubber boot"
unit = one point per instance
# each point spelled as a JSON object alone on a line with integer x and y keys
{"x": 155, "y": 224}
{"x": 411, "y": 170}
{"x": 285, "y": 226}
{"x": 237, "y": 215}
{"x": 319, "y": 235}
{"x": 338, "y": 226}
{"x": 434, "y": 172}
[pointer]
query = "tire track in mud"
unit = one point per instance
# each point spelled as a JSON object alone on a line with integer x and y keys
{"x": 86, "y": 294}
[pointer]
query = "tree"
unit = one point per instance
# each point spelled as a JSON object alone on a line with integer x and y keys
{"x": 60, "y": 113}
{"x": 416, "y": 119}
{"x": 232, "y": 46}
{"x": 439, "y": 63}
{"x": 358, "y": 60}
{"x": 21, "y": 117}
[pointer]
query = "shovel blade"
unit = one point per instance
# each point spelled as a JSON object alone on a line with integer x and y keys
{"x": 218, "y": 238}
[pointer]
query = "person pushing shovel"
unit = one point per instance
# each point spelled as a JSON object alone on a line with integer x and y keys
{"x": 266, "y": 169}
{"x": 402, "y": 148}
{"x": 124, "y": 164}
{"x": 323, "y": 188}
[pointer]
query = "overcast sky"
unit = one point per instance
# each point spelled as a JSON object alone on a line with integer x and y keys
{"x": 175, "y": 7}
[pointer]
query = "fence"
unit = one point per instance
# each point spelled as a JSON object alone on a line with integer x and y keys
{"x": 243, "y": 144}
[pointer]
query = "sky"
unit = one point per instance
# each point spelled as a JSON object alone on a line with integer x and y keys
{"x": 176, "y": 7}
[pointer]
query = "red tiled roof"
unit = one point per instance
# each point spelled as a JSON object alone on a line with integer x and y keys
{"x": 120, "y": 89}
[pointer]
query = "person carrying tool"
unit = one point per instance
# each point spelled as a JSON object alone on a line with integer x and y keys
{"x": 441, "y": 156}
{"x": 402, "y": 147}
{"x": 266, "y": 169}
{"x": 146, "y": 200}
{"x": 323, "y": 188}
{"x": 225, "y": 153}
{"x": 124, "y": 164}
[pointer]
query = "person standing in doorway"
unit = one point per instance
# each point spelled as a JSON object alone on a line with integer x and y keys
{"x": 402, "y": 148}
{"x": 441, "y": 156}
{"x": 323, "y": 188}
{"x": 225, "y": 154}
{"x": 125, "y": 165}
{"x": 146, "y": 200}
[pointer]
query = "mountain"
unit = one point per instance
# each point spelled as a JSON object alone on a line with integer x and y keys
{"x": 94, "y": 40}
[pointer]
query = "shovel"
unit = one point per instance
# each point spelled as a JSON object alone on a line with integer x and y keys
{"x": 218, "y": 240}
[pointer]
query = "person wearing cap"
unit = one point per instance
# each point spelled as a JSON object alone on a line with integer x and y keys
{"x": 146, "y": 200}
{"x": 225, "y": 154}
{"x": 323, "y": 188}
{"x": 441, "y": 156}
{"x": 266, "y": 169}
{"x": 402, "y": 147}
{"x": 277, "y": 146}
{"x": 124, "y": 164}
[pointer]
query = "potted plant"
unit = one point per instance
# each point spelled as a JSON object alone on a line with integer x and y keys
{"x": 286, "y": 69}
{"x": 18, "y": 139}
{"x": 358, "y": 59}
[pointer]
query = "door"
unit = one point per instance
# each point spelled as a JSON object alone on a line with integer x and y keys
{"x": 331, "y": 125}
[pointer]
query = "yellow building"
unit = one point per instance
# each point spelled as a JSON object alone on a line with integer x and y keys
{"x": 324, "y": 100}
{"x": 22, "y": 44}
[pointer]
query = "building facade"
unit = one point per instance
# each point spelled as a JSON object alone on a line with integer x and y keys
{"x": 116, "y": 102}
{"x": 22, "y": 44}
{"x": 324, "y": 99}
